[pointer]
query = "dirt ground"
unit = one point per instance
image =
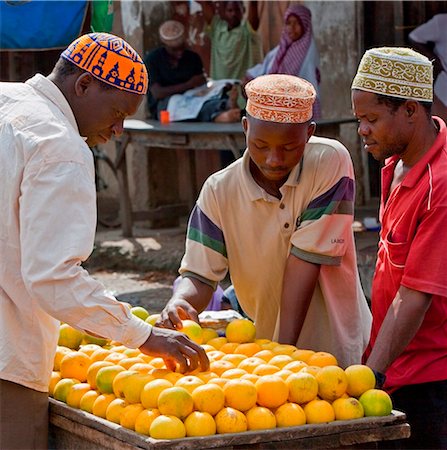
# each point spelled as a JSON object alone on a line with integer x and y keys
{"x": 139, "y": 270}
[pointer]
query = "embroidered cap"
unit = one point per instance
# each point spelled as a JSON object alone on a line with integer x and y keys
{"x": 109, "y": 59}
{"x": 172, "y": 33}
{"x": 280, "y": 98}
{"x": 395, "y": 72}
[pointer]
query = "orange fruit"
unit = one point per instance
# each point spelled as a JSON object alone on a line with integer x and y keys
{"x": 105, "y": 377}
{"x": 144, "y": 420}
{"x": 332, "y": 382}
{"x": 280, "y": 360}
{"x": 217, "y": 342}
{"x": 101, "y": 403}
{"x": 208, "y": 334}
{"x": 284, "y": 374}
{"x": 175, "y": 401}
{"x": 87, "y": 400}
{"x": 99, "y": 355}
{"x": 158, "y": 363}
{"x": 229, "y": 347}
{"x": 250, "y": 364}
{"x": 115, "y": 357}
{"x": 250, "y": 377}
{"x": 208, "y": 348}
{"x": 130, "y": 414}
{"x": 230, "y": 420}
{"x": 133, "y": 353}
{"x": 159, "y": 373}
{"x": 289, "y": 415}
{"x": 189, "y": 382}
{"x": 115, "y": 410}
{"x": 207, "y": 376}
{"x": 167, "y": 427}
{"x": 141, "y": 367}
{"x": 260, "y": 418}
{"x": 240, "y": 331}
{"x": 69, "y": 336}
{"x": 54, "y": 378}
{"x": 265, "y": 369}
{"x": 62, "y": 387}
{"x": 89, "y": 349}
{"x": 322, "y": 359}
{"x": 134, "y": 384}
{"x": 93, "y": 370}
{"x": 266, "y": 355}
{"x": 360, "y": 379}
{"x": 118, "y": 382}
{"x": 200, "y": 424}
{"x": 247, "y": 349}
{"x": 127, "y": 363}
{"x": 295, "y": 366}
{"x": 75, "y": 394}
{"x": 376, "y": 402}
{"x": 151, "y": 391}
{"x": 284, "y": 349}
{"x": 303, "y": 387}
{"x": 215, "y": 355}
{"x": 89, "y": 339}
{"x": 240, "y": 394}
{"x": 152, "y": 319}
{"x": 193, "y": 330}
{"x": 173, "y": 377}
{"x": 347, "y": 408}
{"x": 209, "y": 398}
{"x": 313, "y": 370}
{"x": 319, "y": 411}
{"x": 234, "y": 358}
{"x": 60, "y": 353}
{"x": 272, "y": 391}
{"x": 140, "y": 312}
{"x": 219, "y": 367}
{"x": 302, "y": 355}
{"x": 232, "y": 374}
{"x": 219, "y": 381}
{"x": 75, "y": 365}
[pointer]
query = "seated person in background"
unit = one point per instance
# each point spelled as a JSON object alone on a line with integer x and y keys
{"x": 296, "y": 54}
{"x": 175, "y": 70}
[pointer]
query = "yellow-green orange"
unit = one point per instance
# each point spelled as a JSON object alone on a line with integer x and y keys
{"x": 167, "y": 427}
{"x": 175, "y": 401}
{"x": 360, "y": 379}
{"x": 376, "y": 402}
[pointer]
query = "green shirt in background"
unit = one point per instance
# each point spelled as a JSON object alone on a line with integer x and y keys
{"x": 102, "y": 16}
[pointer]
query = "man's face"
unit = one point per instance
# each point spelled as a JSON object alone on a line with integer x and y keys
{"x": 383, "y": 131}
{"x": 294, "y": 28}
{"x": 233, "y": 13}
{"x": 100, "y": 112}
{"x": 175, "y": 53}
{"x": 276, "y": 148}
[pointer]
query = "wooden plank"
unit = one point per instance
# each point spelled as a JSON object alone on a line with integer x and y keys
{"x": 336, "y": 434}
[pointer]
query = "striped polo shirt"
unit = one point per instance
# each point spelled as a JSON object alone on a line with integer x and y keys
{"x": 237, "y": 226}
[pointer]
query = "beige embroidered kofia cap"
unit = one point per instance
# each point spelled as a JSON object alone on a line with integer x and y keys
{"x": 395, "y": 72}
{"x": 280, "y": 98}
{"x": 172, "y": 33}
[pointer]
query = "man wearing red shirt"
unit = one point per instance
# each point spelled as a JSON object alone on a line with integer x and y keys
{"x": 392, "y": 96}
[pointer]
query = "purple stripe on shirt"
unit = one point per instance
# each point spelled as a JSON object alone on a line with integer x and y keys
{"x": 343, "y": 190}
{"x": 200, "y": 221}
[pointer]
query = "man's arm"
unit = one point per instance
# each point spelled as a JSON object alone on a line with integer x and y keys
{"x": 253, "y": 16}
{"x": 300, "y": 279}
{"x": 158, "y": 91}
{"x": 402, "y": 321}
{"x": 190, "y": 298}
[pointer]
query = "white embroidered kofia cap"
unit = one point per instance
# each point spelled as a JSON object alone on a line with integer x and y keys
{"x": 395, "y": 72}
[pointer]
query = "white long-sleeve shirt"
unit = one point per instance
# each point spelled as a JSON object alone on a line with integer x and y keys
{"x": 47, "y": 228}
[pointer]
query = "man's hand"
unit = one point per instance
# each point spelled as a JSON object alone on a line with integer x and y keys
{"x": 175, "y": 311}
{"x": 176, "y": 349}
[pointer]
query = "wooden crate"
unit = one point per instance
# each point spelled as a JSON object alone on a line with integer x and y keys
{"x": 74, "y": 429}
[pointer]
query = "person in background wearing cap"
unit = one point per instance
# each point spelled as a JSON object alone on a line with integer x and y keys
{"x": 392, "y": 95}
{"x": 175, "y": 69}
{"x": 48, "y": 226}
{"x": 280, "y": 219}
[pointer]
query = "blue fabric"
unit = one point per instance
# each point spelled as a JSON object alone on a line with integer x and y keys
{"x": 32, "y": 25}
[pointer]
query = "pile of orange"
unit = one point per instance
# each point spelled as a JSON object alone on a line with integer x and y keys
{"x": 252, "y": 384}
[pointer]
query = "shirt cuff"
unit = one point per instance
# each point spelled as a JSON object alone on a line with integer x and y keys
{"x": 135, "y": 332}
{"x": 315, "y": 258}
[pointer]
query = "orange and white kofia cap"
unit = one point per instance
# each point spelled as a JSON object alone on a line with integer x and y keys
{"x": 280, "y": 98}
{"x": 109, "y": 59}
{"x": 395, "y": 72}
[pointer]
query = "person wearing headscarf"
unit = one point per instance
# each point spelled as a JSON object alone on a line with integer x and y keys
{"x": 176, "y": 70}
{"x": 392, "y": 95}
{"x": 296, "y": 53}
{"x": 288, "y": 241}
{"x": 48, "y": 224}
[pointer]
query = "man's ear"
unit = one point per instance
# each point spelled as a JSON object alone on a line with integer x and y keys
{"x": 83, "y": 83}
{"x": 311, "y": 129}
{"x": 411, "y": 107}
{"x": 245, "y": 124}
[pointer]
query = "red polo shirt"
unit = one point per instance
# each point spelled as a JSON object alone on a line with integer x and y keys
{"x": 413, "y": 253}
